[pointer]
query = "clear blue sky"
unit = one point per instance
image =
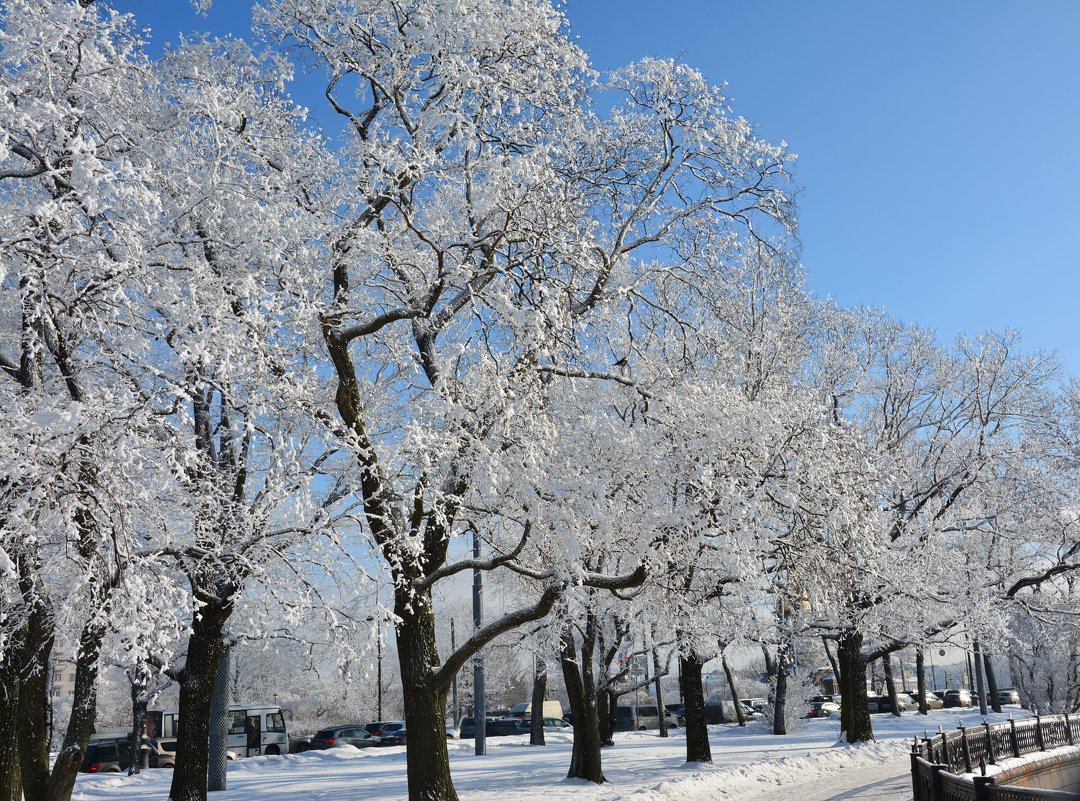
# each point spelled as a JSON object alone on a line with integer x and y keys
{"x": 938, "y": 142}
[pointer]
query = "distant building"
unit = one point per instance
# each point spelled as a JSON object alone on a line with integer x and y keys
{"x": 62, "y": 684}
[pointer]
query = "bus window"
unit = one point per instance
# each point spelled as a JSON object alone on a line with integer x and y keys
{"x": 275, "y": 722}
{"x": 237, "y": 721}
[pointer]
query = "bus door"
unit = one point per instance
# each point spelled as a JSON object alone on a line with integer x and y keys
{"x": 254, "y": 735}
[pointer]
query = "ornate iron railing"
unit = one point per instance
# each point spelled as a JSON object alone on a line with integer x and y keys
{"x": 938, "y": 762}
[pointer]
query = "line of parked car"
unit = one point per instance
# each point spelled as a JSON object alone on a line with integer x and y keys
{"x": 823, "y": 706}
{"x": 358, "y": 735}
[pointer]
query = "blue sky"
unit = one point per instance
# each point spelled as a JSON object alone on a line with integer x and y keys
{"x": 939, "y": 168}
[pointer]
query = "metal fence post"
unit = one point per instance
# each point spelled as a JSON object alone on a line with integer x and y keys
{"x": 982, "y": 787}
{"x": 1068, "y": 729}
{"x": 989, "y": 743}
{"x": 946, "y": 756}
{"x": 936, "y": 782}
{"x": 1012, "y": 737}
{"x": 915, "y": 772}
{"x": 966, "y": 747}
{"x": 1039, "y": 741}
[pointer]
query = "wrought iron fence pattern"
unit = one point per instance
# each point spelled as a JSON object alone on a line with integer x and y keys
{"x": 939, "y": 761}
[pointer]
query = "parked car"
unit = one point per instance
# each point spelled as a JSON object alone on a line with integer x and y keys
{"x": 933, "y": 700}
{"x": 552, "y": 709}
{"x": 678, "y": 711}
{"x": 494, "y": 727}
{"x": 959, "y": 698}
{"x": 833, "y": 698}
{"x": 107, "y": 756}
{"x": 882, "y": 703}
{"x": 1008, "y": 696}
{"x": 162, "y": 752}
{"x": 822, "y": 709}
{"x": 757, "y": 704}
{"x": 299, "y": 743}
{"x": 354, "y": 735}
{"x": 639, "y": 717}
{"x": 376, "y": 729}
{"x": 557, "y": 724}
{"x": 503, "y": 727}
{"x": 395, "y": 736}
{"x": 724, "y": 712}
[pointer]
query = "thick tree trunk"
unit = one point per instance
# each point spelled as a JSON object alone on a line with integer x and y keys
{"x": 991, "y": 682}
{"x": 855, "y": 722}
{"x": 196, "y": 689}
{"x": 607, "y": 716}
{"x": 427, "y": 758}
{"x": 585, "y": 760}
{"x": 770, "y": 662}
{"x": 61, "y": 782}
{"x": 10, "y": 769}
{"x": 920, "y": 673}
{"x": 35, "y": 708}
{"x": 659, "y": 694}
{"x": 780, "y": 690}
{"x": 697, "y": 731}
{"x": 734, "y": 693}
{"x": 890, "y": 684}
{"x": 832, "y": 663}
{"x": 536, "y": 732}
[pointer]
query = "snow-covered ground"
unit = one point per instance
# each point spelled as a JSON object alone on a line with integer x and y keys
{"x": 747, "y": 763}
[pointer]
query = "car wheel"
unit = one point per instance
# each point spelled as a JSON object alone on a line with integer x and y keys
{"x": 641, "y": 728}
{"x": 273, "y": 750}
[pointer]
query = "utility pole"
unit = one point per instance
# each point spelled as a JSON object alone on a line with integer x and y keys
{"x": 980, "y": 685}
{"x": 479, "y": 701}
{"x": 453, "y": 682}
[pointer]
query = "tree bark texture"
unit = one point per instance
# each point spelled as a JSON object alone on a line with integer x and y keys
{"x": 196, "y": 689}
{"x": 585, "y": 759}
{"x": 832, "y": 663}
{"x": 734, "y": 693}
{"x": 890, "y": 683}
{"x": 34, "y": 706}
{"x": 61, "y": 781}
{"x": 855, "y": 722}
{"x": 536, "y": 732}
{"x": 10, "y": 770}
{"x": 780, "y": 689}
{"x": 697, "y": 731}
{"x": 427, "y": 757}
{"x": 607, "y": 715}
{"x": 657, "y": 671}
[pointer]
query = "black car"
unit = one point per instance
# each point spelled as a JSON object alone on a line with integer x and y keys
{"x": 503, "y": 727}
{"x": 107, "y": 756}
{"x": 354, "y": 735}
{"x": 392, "y": 734}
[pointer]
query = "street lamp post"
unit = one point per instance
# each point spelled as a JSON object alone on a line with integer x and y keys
{"x": 378, "y": 665}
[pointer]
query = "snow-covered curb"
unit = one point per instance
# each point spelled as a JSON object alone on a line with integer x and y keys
{"x": 737, "y": 782}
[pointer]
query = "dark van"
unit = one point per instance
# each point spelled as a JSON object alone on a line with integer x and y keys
{"x": 107, "y": 756}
